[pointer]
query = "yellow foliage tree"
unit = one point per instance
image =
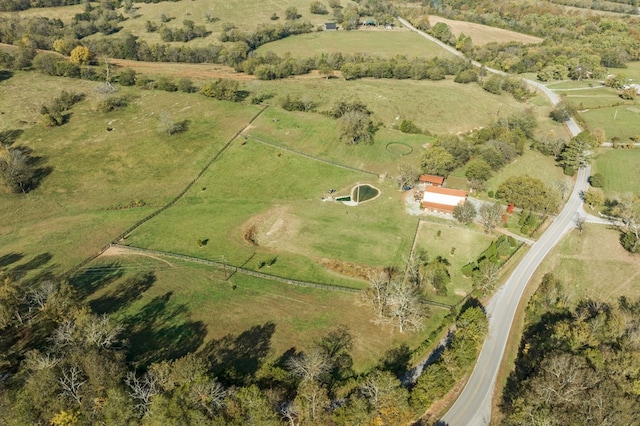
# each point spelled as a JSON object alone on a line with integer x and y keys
{"x": 64, "y": 418}
{"x": 81, "y": 55}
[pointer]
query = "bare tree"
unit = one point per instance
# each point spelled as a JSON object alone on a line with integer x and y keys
{"x": 142, "y": 389}
{"x": 405, "y": 308}
{"x": 309, "y": 366}
{"x": 39, "y": 296}
{"x": 488, "y": 275}
{"x": 209, "y": 395}
{"x": 579, "y": 220}
{"x": 71, "y": 382}
{"x": 102, "y": 332}
{"x": 490, "y": 216}
{"x": 64, "y": 335}
{"x": 407, "y": 175}
{"x": 15, "y": 171}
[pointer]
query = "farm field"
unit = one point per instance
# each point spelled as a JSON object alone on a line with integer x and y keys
{"x": 620, "y": 169}
{"x": 197, "y": 310}
{"x": 593, "y": 265}
{"x": 246, "y": 15}
{"x": 431, "y": 105}
{"x": 286, "y": 215}
{"x": 483, "y": 34}
{"x": 373, "y": 42}
{"x": 617, "y": 121}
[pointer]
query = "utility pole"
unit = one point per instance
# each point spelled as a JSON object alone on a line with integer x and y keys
{"x": 224, "y": 266}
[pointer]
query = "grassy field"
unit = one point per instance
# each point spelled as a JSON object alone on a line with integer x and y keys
{"x": 483, "y": 34}
{"x": 181, "y": 307}
{"x": 433, "y": 105}
{"x": 95, "y": 173}
{"x": 531, "y": 163}
{"x": 279, "y": 194}
{"x": 621, "y": 171}
{"x": 594, "y": 265}
{"x": 374, "y": 42}
{"x": 620, "y": 121}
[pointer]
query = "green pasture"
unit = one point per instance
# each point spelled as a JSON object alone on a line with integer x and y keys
{"x": 178, "y": 307}
{"x": 376, "y": 43}
{"x": 246, "y": 15}
{"x": 64, "y": 13}
{"x": 100, "y": 182}
{"x": 617, "y": 121}
{"x": 601, "y": 97}
{"x": 621, "y": 169}
{"x": 280, "y": 193}
{"x": 468, "y": 242}
{"x": 436, "y": 106}
{"x": 593, "y": 265}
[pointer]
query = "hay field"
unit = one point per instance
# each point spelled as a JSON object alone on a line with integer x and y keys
{"x": 483, "y": 34}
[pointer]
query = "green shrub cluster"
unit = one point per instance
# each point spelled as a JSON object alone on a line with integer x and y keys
{"x": 498, "y": 252}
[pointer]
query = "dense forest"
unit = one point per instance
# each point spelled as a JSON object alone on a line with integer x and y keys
{"x": 577, "y": 364}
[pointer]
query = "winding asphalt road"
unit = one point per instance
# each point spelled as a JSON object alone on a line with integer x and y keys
{"x": 473, "y": 406}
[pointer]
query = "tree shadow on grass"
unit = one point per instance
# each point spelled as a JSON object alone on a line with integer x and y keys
{"x": 10, "y": 258}
{"x": 8, "y": 137}
{"x": 127, "y": 292}
{"x": 160, "y": 331}
{"x": 234, "y": 359}
{"x": 37, "y": 262}
{"x": 88, "y": 280}
{"x": 5, "y": 75}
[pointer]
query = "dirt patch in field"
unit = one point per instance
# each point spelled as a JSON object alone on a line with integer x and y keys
{"x": 348, "y": 269}
{"x": 483, "y": 34}
{"x": 275, "y": 228}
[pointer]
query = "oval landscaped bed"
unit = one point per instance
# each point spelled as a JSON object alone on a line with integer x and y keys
{"x": 399, "y": 148}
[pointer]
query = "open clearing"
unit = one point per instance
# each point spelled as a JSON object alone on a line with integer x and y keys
{"x": 373, "y": 42}
{"x": 594, "y": 265}
{"x": 621, "y": 170}
{"x": 195, "y": 301}
{"x": 483, "y": 34}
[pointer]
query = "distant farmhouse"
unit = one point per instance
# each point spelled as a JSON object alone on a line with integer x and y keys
{"x": 442, "y": 199}
{"x": 330, "y": 26}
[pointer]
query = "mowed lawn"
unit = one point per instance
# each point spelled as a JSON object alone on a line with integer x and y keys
{"x": 373, "y": 42}
{"x": 621, "y": 169}
{"x": 593, "y": 265}
{"x": 440, "y": 239}
{"x": 617, "y": 121}
{"x": 279, "y": 194}
{"x": 100, "y": 182}
{"x": 181, "y": 307}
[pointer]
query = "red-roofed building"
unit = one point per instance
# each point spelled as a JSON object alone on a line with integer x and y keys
{"x": 432, "y": 180}
{"x": 442, "y": 199}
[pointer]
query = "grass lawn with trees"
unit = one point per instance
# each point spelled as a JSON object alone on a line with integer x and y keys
{"x": 197, "y": 298}
{"x": 377, "y": 43}
{"x": 620, "y": 169}
{"x": 617, "y": 121}
{"x": 439, "y": 239}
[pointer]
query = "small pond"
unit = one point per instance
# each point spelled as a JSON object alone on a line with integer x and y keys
{"x": 363, "y": 193}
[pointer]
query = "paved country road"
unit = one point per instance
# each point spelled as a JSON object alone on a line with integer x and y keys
{"x": 473, "y": 406}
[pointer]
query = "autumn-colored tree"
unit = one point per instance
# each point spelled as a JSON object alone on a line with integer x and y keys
{"x": 81, "y": 55}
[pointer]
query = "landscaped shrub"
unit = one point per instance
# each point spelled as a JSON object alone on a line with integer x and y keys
{"x": 407, "y": 126}
{"x": 597, "y": 180}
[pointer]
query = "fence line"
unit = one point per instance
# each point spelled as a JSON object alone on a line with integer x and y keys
{"x": 173, "y": 201}
{"x": 302, "y": 154}
{"x": 240, "y": 269}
